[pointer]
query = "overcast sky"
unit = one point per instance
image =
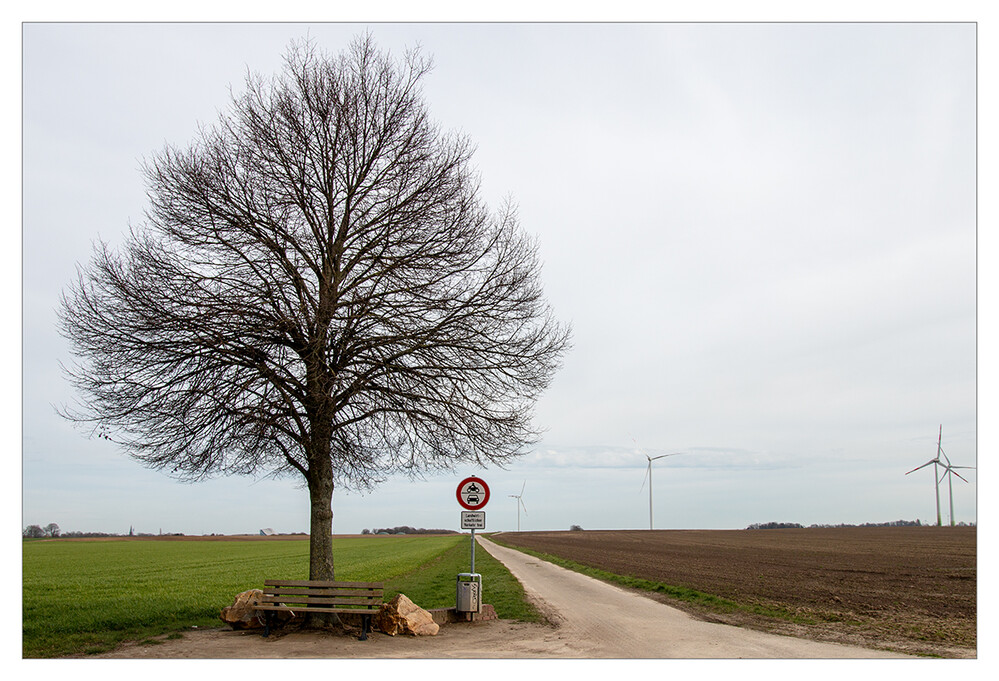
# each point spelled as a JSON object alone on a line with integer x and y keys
{"x": 764, "y": 236}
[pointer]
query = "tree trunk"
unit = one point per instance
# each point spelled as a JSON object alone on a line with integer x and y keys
{"x": 321, "y": 529}
{"x": 321, "y": 533}
{"x": 320, "y": 472}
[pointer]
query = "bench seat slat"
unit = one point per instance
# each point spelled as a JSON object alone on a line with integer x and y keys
{"x": 323, "y": 601}
{"x": 324, "y": 585}
{"x": 326, "y": 593}
{"x": 348, "y": 611}
{"x": 296, "y": 594}
{"x": 298, "y": 591}
{"x": 319, "y": 599}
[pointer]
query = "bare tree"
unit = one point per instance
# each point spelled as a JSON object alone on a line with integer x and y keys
{"x": 318, "y": 290}
{"x": 52, "y": 530}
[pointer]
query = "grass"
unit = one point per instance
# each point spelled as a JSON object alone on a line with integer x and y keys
{"x": 87, "y": 597}
{"x": 433, "y": 584}
{"x": 691, "y": 596}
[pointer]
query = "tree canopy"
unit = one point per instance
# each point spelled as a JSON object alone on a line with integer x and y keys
{"x": 317, "y": 289}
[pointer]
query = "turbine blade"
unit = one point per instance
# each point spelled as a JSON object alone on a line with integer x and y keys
{"x": 923, "y": 466}
{"x": 951, "y": 470}
{"x": 524, "y": 506}
{"x": 522, "y": 487}
{"x": 945, "y": 456}
{"x": 647, "y": 472}
{"x": 639, "y": 449}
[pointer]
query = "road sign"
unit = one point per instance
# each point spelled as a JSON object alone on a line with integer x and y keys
{"x": 473, "y": 493}
{"x": 473, "y": 520}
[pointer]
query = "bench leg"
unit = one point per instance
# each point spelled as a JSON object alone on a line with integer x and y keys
{"x": 267, "y": 623}
{"x": 365, "y": 628}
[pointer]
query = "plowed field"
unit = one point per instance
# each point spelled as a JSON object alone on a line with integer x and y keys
{"x": 907, "y": 588}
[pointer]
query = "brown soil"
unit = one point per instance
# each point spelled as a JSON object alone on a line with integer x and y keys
{"x": 911, "y": 589}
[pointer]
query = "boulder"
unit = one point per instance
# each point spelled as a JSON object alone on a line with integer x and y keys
{"x": 240, "y": 615}
{"x": 401, "y": 615}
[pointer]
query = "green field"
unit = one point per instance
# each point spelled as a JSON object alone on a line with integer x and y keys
{"x": 90, "y": 596}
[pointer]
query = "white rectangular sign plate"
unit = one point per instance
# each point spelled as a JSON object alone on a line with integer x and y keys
{"x": 473, "y": 520}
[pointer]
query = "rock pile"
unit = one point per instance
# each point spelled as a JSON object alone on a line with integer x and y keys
{"x": 240, "y": 615}
{"x": 403, "y": 616}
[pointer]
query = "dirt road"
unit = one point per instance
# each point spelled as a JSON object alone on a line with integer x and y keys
{"x": 599, "y": 620}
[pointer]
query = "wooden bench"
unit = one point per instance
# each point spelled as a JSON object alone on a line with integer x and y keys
{"x": 304, "y": 597}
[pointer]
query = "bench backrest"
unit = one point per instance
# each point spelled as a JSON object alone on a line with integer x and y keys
{"x": 347, "y": 595}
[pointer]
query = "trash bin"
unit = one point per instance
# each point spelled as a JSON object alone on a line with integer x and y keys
{"x": 469, "y": 597}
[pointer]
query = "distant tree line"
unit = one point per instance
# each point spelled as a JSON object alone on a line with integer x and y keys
{"x": 405, "y": 529}
{"x": 38, "y": 532}
{"x": 52, "y": 531}
{"x": 782, "y": 526}
{"x": 891, "y": 523}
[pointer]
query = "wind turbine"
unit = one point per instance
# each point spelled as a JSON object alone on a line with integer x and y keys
{"x": 936, "y": 480}
{"x": 648, "y": 476}
{"x": 520, "y": 502}
{"x": 949, "y": 471}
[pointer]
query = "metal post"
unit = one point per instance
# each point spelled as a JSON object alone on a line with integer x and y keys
{"x": 473, "y": 552}
{"x": 950, "y": 490}
{"x": 936, "y": 477}
{"x": 650, "y": 495}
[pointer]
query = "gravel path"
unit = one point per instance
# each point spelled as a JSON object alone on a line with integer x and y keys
{"x": 599, "y": 620}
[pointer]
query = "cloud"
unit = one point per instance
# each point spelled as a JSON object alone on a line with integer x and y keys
{"x": 611, "y": 457}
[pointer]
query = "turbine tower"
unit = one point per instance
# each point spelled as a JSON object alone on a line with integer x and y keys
{"x": 520, "y": 502}
{"x": 949, "y": 471}
{"x": 936, "y": 479}
{"x": 648, "y": 476}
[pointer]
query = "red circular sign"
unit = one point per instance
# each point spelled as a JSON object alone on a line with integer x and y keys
{"x": 473, "y": 493}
